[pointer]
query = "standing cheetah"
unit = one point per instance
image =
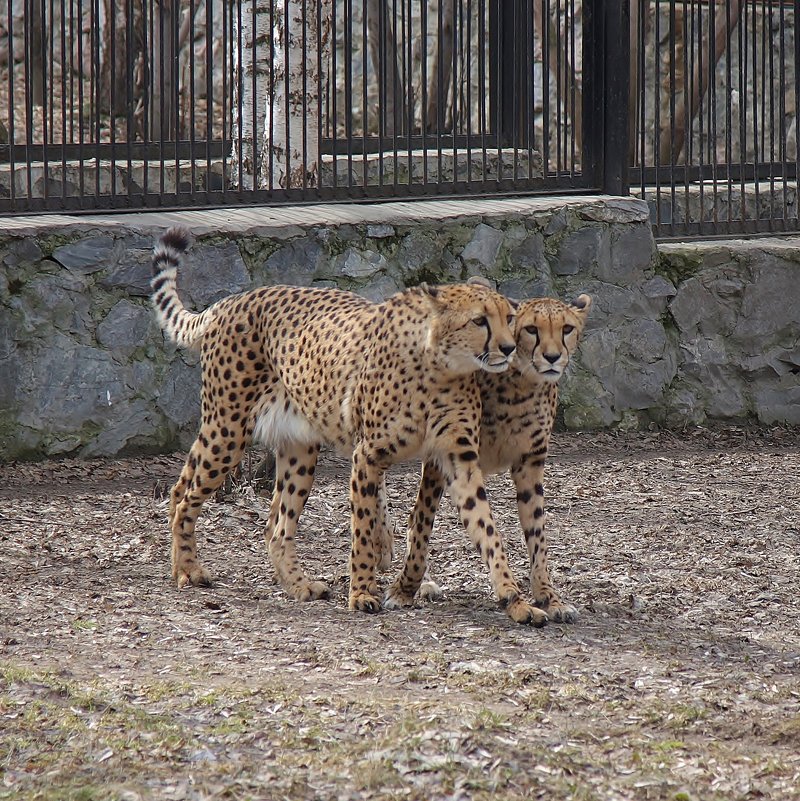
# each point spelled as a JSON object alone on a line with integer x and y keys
{"x": 298, "y": 367}
{"x": 519, "y": 409}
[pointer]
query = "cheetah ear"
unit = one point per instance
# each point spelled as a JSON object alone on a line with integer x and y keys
{"x": 431, "y": 295}
{"x": 432, "y": 291}
{"x": 479, "y": 280}
{"x": 581, "y": 306}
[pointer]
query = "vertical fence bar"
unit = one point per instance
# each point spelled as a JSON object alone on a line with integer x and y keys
{"x": 364, "y": 94}
{"x": 796, "y": 106}
{"x": 64, "y": 68}
{"x": 711, "y": 153}
{"x": 191, "y": 101}
{"x": 545, "y": 35}
{"x": 12, "y": 128}
{"x": 111, "y": 71}
{"x": 209, "y": 89}
{"x": 782, "y": 149}
{"x": 319, "y": 94}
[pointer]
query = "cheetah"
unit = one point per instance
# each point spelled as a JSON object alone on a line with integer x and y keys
{"x": 518, "y": 413}
{"x": 296, "y": 368}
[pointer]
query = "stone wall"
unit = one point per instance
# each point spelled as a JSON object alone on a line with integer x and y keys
{"x": 676, "y": 336}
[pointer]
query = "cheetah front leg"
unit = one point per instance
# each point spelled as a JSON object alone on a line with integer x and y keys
{"x": 294, "y": 476}
{"x": 468, "y": 492}
{"x": 366, "y": 478}
{"x": 528, "y": 478}
{"x": 414, "y": 576}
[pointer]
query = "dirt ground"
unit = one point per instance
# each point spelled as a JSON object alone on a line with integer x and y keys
{"x": 680, "y": 681}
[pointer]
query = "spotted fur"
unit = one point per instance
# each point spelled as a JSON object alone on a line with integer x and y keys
{"x": 299, "y": 367}
{"x": 519, "y": 409}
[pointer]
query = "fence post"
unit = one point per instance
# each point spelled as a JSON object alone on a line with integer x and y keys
{"x": 606, "y": 111}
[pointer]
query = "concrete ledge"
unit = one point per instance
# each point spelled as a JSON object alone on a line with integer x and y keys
{"x": 275, "y": 220}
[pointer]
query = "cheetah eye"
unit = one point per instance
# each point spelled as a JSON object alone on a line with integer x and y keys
{"x": 510, "y": 319}
{"x": 568, "y": 329}
{"x": 532, "y": 329}
{"x": 482, "y": 321}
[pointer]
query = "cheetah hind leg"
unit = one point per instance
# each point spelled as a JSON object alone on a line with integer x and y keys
{"x": 294, "y": 471}
{"x": 202, "y": 473}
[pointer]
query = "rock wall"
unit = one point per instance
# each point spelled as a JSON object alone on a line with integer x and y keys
{"x": 676, "y": 337}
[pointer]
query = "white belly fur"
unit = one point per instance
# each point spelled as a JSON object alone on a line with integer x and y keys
{"x": 278, "y": 426}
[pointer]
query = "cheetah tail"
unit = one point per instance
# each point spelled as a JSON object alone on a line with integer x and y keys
{"x": 179, "y": 324}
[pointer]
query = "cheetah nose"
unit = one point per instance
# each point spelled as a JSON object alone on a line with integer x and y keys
{"x": 552, "y": 357}
{"x": 507, "y": 350}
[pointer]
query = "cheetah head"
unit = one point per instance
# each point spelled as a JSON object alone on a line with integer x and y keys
{"x": 472, "y": 328}
{"x": 547, "y": 333}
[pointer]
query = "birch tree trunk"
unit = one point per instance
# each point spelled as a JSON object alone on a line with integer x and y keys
{"x": 251, "y": 75}
{"x": 300, "y": 46}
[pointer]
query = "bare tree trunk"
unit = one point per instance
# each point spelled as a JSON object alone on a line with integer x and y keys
{"x": 561, "y": 68}
{"x": 671, "y": 147}
{"x": 300, "y": 43}
{"x": 37, "y": 41}
{"x": 439, "y": 84}
{"x": 164, "y": 79}
{"x": 114, "y": 57}
{"x": 383, "y": 52}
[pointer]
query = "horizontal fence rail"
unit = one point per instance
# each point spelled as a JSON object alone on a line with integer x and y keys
{"x": 141, "y": 103}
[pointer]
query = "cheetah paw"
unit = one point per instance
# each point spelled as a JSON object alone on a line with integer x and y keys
{"x": 361, "y": 601}
{"x": 310, "y": 591}
{"x": 397, "y": 599}
{"x": 522, "y": 612}
{"x": 429, "y": 590}
{"x": 196, "y": 576}
{"x": 559, "y": 612}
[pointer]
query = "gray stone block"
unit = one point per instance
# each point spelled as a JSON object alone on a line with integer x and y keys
{"x": 581, "y": 251}
{"x": 179, "y": 394}
{"x": 632, "y": 252}
{"x": 420, "y": 253}
{"x": 133, "y": 424}
{"x": 380, "y": 231}
{"x": 21, "y": 252}
{"x": 362, "y": 265}
{"x": 615, "y": 211}
{"x": 67, "y": 386}
{"x": 480, "y": 253}
{"x": 87, "y": 255}
{"x": 212, "y": 272}
{"x": 779, "y": 402}
{"x": 125, "y": 328}
{"x": 61, "y": 301}
{"x": 379, "y": 289}
{"x": 296, "y": 263}
{"x": 133, "y": 271}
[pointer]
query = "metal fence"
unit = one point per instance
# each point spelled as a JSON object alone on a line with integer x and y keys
{"x": 129, "y": 104}
{"x": 141, "y": 103}
{"x": 713, "y": 114}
